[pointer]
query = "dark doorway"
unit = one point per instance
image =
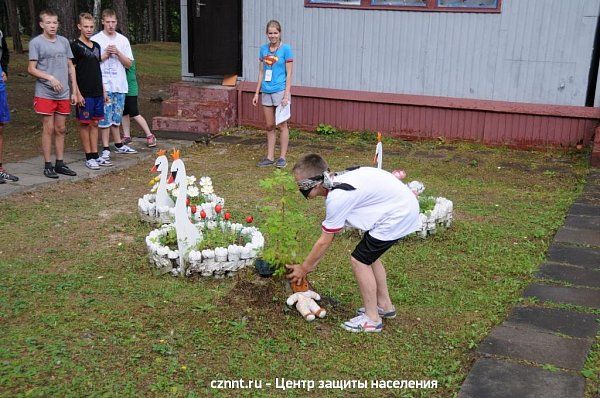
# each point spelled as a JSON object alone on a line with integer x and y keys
{"x": 215, "y": 37}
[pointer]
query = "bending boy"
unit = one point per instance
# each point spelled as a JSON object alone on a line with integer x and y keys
{"x": 371, "y": 200}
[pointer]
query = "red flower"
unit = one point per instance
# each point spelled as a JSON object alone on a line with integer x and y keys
{"x": 227, "y": 216}
{"x": 202, "y": 214}
{"x": 218, "y": 208}
{"x": 187, "y": 201}
{"x": 193, "y": 207}
{"x": 249, "y": 219}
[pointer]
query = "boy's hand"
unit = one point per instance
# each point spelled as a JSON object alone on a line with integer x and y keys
{"x": 4, "y": 77}
{"x": 56, "y": 85}
{"x": 74, "y": 99}
{"x": 255, "y": 99}
{"x": 80, "y": 100}
{"x": 297, "y": 274}
{"x": 106, "y": 99}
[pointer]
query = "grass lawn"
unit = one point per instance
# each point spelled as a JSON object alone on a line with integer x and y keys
{"x": 82, "y": 314}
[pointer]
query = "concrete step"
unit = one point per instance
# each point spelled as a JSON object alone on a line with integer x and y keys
{"x": 191, "y": 109}
{"x": 203, "y": 92}
{"x": 209, "y": 125}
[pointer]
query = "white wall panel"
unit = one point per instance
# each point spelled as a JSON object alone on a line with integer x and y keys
{"x": 536, "y": 51}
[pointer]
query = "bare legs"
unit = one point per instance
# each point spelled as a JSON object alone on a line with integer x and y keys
{"x": 1, "y": 142}
{"x": 139, "y": 119}
{"x": 53, "y": 129}
{"x": 89, "y": 137}
{"x": 284, "y": 136}
{"x": 372, "y": 283}
{"x": 106, "y": 132}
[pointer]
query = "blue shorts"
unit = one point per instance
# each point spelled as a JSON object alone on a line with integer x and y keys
{"x": 92, "y": 110}
{"x": 4, "y": 111}
{"x": 113, "y": 110}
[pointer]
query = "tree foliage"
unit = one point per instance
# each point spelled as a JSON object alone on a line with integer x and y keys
{"x": 141, "y": 20}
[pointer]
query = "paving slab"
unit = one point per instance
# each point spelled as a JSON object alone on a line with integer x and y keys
{"x": 30, "y": 171}
{"x": 584, "y": 209}
{"x": 540, "y": 347}
{"x": 578, "y": 236}
{"x": 568, "y": 295}
{"x": 575, "y": 221}
{"x": 492, "y": 378}
{"x": 582, "y": 256}
{"x": 569, "y": 273}
{"x": 554, "y": 320}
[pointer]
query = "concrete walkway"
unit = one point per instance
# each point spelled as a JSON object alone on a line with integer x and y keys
{"x": 30, "y": 171}
{"x": 540, "y": 352}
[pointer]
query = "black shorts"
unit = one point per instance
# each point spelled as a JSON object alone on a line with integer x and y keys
{"x": 131, "y": 106}
{"x": 370, "y": 249}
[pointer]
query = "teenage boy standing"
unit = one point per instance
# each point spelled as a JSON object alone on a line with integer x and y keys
{"x": 116, "y": 57}
{"x": 50, "y": 62}
{"x": 89, "y": 80}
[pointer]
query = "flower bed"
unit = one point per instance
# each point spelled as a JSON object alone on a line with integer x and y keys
{"x": 201, "y": 260}
{"x": 198, "y": 199}
{"x": 435, "y": 213}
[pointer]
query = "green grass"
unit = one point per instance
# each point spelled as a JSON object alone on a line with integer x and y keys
{"x": 81, "y": 313}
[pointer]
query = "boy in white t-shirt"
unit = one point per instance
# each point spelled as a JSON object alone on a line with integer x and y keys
{"x": 116, "y": 57}
{"x": 371, "y": 200}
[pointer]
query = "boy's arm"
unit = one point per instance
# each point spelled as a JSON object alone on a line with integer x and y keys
{"x": 35, "y": 72}
{"x": 75, "y": 95}
{"x": 5, "y": 56}
{"x": 317, "y": 252}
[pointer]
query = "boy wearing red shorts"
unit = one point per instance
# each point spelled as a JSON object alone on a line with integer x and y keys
{"x": 50, "y": 62}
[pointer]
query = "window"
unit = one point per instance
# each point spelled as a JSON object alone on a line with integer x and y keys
{"x": 339, "y": 2}
{"x": 412, "y": 5}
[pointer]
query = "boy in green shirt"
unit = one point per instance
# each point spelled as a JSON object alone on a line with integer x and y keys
{"x": 131, "y": 110}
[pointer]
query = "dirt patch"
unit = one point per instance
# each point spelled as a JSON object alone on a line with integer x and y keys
{"x": 514, "y": 166}
{"x": 118, "y": 237}
{"x": 256, "y": 292}
{"x": 107, "y": 214}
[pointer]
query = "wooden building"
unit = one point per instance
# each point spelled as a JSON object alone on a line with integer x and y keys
{"x": 520, "y": 73}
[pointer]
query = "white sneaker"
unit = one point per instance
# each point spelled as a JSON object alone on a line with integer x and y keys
{"x": 362, "y": 323}
{"x": 92, "y": 164}
{"x": 105, "y": 154}
{"x": 103, "y": 162}
{"x": 126, "y": 149}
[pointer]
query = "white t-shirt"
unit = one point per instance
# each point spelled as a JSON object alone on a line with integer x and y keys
{"x": 113, "y": 72}
{"x": 381, "y": 204}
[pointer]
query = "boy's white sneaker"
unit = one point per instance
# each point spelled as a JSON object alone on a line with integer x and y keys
{"x": 92, "y": 164}
{"x": 103, "y": 162}
{"x": 126, "y": 149}
{"x": 362, "y": 323}
{"x": 105, "y": 154}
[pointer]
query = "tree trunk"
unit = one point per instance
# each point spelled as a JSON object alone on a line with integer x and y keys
{"x": 97, "y": 11}
{"x": 151, "y": 20}
{"x": 66, "y": 17}
{"x": 34, "y": 18}
{"x": 121, "y": 11}
{"x": 13, "y": 21}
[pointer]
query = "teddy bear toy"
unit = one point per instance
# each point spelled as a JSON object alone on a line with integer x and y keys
{"x": 306, "y": 305}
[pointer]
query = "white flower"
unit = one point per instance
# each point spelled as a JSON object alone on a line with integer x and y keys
{"x": 206, "y": 190}
{"x": 192, "y": 191}
{"x": 205, "y": 181}
{"x": 190, "y": 180}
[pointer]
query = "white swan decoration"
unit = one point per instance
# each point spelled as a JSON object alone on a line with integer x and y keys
{"x": 187, "y": 234}
{"x": 162, "y": 165}
{"x": 378, "y": 159}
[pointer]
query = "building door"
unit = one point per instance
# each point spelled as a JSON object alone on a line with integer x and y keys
{"x": 215, "y": 37}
